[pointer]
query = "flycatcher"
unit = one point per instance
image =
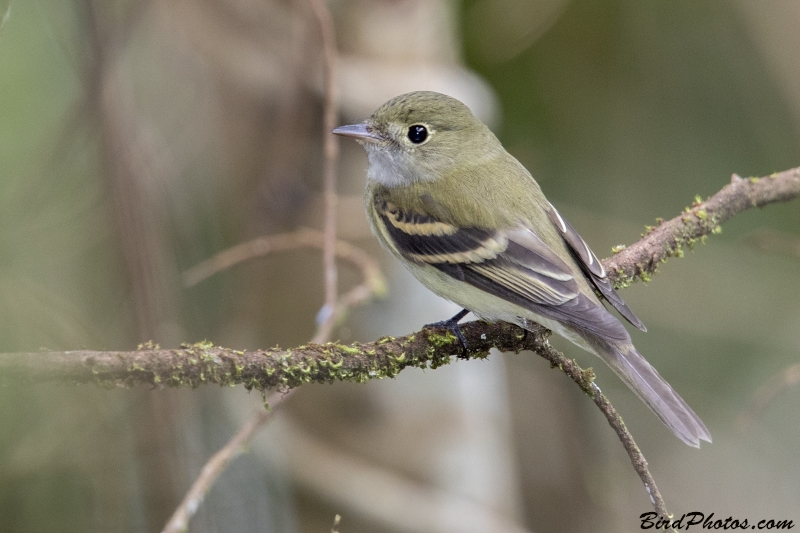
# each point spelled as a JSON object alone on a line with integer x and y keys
{"x": 471, "y": 223}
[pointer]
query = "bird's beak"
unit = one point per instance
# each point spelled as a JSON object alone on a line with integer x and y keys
{"x": 361, "y": 132}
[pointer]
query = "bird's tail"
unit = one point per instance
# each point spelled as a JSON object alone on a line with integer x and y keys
{"x": 653, "y": 390}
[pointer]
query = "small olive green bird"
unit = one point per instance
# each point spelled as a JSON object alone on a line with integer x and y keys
{"x": 471, "y": 223}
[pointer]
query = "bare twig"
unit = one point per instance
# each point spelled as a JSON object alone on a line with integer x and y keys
{"x": 373, "y": 283}
{"x": 788, "y": 377}
{"x": 326, "y": 318}
{"x": 179, "y": 522}
{"x": 774, "y": 242}
{"x": 355, "y": 296}
{"x": 585, "y": 380}
{"x": 286, "y": 369}
{"x": 302, "y": 238}
{"x": 333, "y": 307}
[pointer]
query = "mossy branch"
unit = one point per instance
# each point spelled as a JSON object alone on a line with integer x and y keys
{"x": 193, "y": 365}
{"x": 200, "y": 363}
{"x": 668, "y": 239}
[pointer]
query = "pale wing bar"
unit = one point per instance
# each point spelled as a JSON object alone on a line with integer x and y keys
{"x": 516, "y": 266}
{"x": 592, "y": 267}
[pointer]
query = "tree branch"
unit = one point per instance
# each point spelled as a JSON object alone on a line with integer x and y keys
{"x": 179, "y": 521}
{"x": 667, "y": 239}
{"x": 334, "y": 306}
{"x": 192, "y": 365}
{"x": 201, "y": 363}
{"x": 326, "y": 319}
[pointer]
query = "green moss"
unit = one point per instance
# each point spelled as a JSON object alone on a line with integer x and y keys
{"x": 202, "y": 345}
{"x": 352, "y": 350}
{"x": 438, "y": 340}
{"x": 617, "y": 249}
{"x": 587, "y": 378}
{"x": 702, "y": 214}
{"x": 147, "y": 346}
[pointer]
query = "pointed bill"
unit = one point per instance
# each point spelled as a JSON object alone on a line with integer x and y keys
{"x": 360, "y": 132}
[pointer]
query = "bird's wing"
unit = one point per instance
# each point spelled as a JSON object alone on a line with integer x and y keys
{"x": 592, "y": 267}
{"x": 513, "y": 264}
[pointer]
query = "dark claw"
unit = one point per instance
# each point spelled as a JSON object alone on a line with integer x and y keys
{"x": 452, "y": 325}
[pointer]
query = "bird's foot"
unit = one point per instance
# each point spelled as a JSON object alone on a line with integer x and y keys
{"x": 451, "y": 324}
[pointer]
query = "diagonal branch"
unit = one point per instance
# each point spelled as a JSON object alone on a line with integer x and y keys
{"x": 667, "y": 239}
{"x": 334, "y": 306}
{"x": 282, "y": 242}
{"x": 200, "y": 363}
{"x": 192, "y": 365}
{"x": 179, "y": 521}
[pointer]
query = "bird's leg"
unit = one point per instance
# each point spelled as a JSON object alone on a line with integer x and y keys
{"x": 452, "y": 325}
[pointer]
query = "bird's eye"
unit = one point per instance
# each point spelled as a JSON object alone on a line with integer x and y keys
{"x": 417, "y": 134}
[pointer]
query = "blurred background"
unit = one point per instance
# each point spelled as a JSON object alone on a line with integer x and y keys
{"x": 139, "y": 138}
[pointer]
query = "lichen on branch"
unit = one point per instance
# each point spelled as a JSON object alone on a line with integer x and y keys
{"x": 702, "y": 218}
{"x": 201, "y": 363}
{"x": 196, "y": 364}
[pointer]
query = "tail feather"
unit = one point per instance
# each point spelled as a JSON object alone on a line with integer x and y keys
{"x": 654, "y": 391}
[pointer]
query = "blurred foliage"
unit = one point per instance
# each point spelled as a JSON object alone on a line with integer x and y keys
{"x": 623, "y": 111}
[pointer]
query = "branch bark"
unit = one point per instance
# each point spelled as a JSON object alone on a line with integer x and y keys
{"x": 201, "y": 363}
{"x": 193, "y": 365}
{"x": 667, "y": 239}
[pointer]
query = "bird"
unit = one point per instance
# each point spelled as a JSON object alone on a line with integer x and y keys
{"x": 472, "y": 224}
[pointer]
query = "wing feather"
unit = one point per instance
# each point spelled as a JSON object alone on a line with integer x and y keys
{"x": 593, "y": 268}
{"x": 515, "y": 265}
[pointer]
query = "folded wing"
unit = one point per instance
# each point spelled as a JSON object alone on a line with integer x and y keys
{"x": 592, "y": 267}
{"x": 515, "y": 265}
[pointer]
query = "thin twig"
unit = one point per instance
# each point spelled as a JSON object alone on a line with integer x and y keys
{"x": 585, "y": 380}
{"x": 333, "y": 307}
{"x": 776, "y": 242}
{"x": 373, "y": 283}
{"x": 331, "y": 152}
{"x": 286, "y": 369}
{"x": 788, "y": 377}
{"x": 302, "y": 238}
{"x": 179, "y": 521}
